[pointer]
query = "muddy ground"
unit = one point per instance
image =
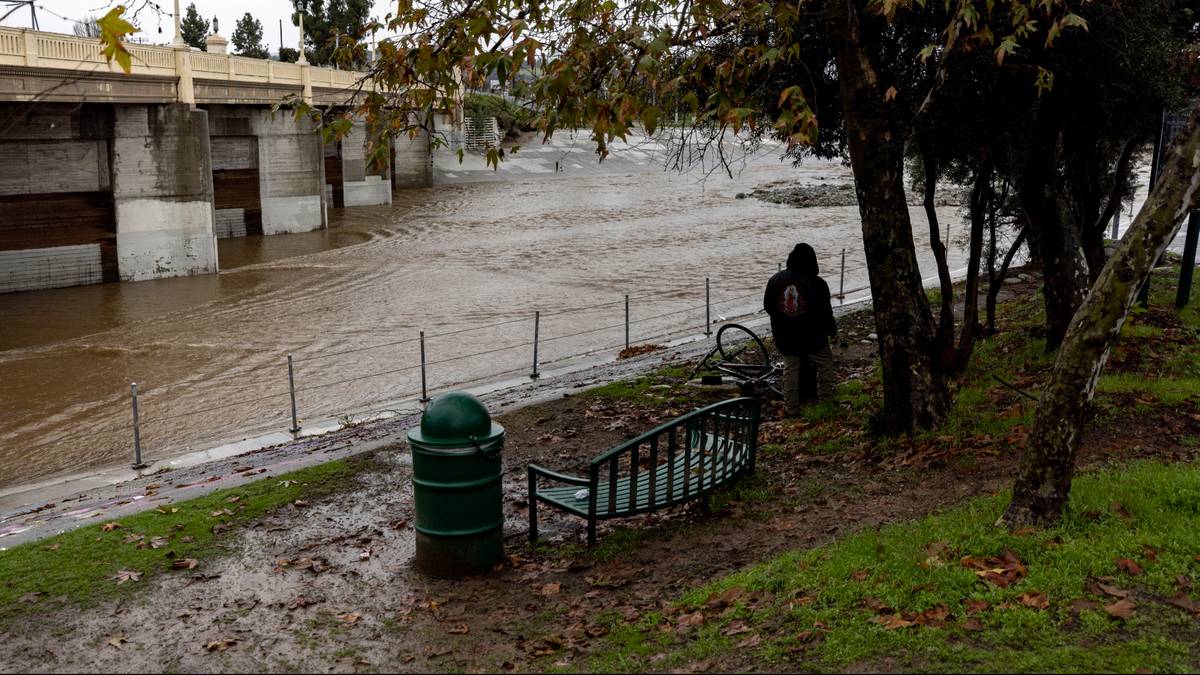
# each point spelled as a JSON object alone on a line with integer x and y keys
{"x": 330, "y": 587}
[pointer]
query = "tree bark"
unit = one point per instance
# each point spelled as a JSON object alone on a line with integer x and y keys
{"x": 1043, "y": 487}
{"x": 1064, "y": 269}
{"x": 945, "y": 329}
{"x": 914, "y": 386}
{"x": 998, "y": 280}
{"x": 1093, "y": 234}
{"x": 980, "y": 201}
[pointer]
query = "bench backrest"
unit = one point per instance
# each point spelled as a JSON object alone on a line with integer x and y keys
{"x": 687, "y": 457}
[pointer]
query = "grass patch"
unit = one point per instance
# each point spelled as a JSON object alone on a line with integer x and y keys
{"x": 914, "y": 567}
{"x": 80, "y": 565}
{"x": 649, "y": 389}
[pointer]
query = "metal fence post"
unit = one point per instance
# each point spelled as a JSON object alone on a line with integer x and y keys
{"x": 626, "y": 321}
{"x": 424, "y": 385}
{"x": 292, "y": 389}
{"x": 707, "y": 309}
{"x": 842, "y": 283}
{"x": 1184, "y": 293}
{"x": 537, "y": 320}
{"x": 137, "y": 430}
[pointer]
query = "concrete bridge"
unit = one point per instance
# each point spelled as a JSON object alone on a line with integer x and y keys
{"x": 109, "y": 176}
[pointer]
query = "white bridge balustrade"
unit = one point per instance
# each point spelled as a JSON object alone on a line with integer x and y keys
{"x": 52, "y": 67}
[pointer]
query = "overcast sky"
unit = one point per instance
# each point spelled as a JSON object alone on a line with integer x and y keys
{"x": 58, "y": 16}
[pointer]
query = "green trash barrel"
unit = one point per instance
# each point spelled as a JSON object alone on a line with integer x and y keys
{"x": 456, "y": 485}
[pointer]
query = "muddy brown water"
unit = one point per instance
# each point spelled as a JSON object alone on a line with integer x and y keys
{"x": 468, "y": 264}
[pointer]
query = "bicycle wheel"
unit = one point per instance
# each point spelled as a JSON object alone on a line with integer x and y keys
{"x": 742, "y": 352}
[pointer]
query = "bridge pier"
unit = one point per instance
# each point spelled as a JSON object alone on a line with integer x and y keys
{"x": 291, "y": 177}
{"x": 162, "y": 192}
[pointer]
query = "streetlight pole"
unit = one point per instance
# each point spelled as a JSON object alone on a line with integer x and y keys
{"x": 178, "y": 41}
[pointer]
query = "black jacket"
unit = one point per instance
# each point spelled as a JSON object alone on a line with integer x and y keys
{"x": 797, "y": 300}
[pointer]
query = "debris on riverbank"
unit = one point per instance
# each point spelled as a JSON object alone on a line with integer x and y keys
{"x": 830, "y": 195}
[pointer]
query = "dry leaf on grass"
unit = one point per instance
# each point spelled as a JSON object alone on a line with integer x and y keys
{"x": 349, "y": 618}
{"x": 550, "y": 589}
{"x": 109, "y": 527}
{"x": 1002, "y": 571}
{"x": 891, "y": 621}
{"x": 1121, "y": 609}
{"x": 975, "y": 606}
{"x": 126, "y": 575}
{"x": 1185, "y": 602}
{"x": 1127, "y": 565}
{"x": 1034, "y": 600}
{"x": 185, "y": 564}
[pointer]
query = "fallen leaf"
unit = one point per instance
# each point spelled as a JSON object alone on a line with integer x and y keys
{"x": 399, "y": 524}
{"x": 693, "y": 619}
{"x": 1098, "y": 587}
{"x": 1121, "y": 609}
{"x": 891, "y": 621}
{"x": 287, "y": 483}
{"x": 126, "y": 575}
{"x": 115, "y": 641}
{"x": 876, "y": 605}
{"x": 109, "y": 527}
{"x": 1001, "y": 571}
{"x": 550, "y": 589}
{"x": 975, "y": 606}
{"x": 1127, "y": 565}
{"x": 860, "y": 575}
{"x": 749, "y": 642}
{"x": 974, "y": 625}
{"x": 1185, "y": 602}
{"x": 933, "y": 617}
{"x": 736, "y": 628}
{"x": 185, "y": 564}
{"x": 459, "y": 629}
{"x": 1082, "y": 604}
{"x": 158, "y": 542}
{"x": 30, "y": 598}
{"x": 222, "y": 512}
{"x": 51, "y": 547}
{"x": 349, "y": 618}
{"x": 1149, "y": 552}
{"x": 1183, "y": 581}
{"x": 302, "y": 601}
{"x": 1034, "y": 600}
{"x": 220, "y": 645}
{"x": 301, "y": 504}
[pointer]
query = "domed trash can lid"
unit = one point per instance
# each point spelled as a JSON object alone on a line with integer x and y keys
{"x": 456, "y": 420}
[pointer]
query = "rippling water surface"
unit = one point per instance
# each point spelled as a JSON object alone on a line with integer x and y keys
{"x": 209, "y": 353}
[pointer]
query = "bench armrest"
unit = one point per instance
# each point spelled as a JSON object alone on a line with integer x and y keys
{"x": 535, "y": 470}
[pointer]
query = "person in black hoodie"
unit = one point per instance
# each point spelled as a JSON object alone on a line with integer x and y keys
{"x": 797, "y": 300}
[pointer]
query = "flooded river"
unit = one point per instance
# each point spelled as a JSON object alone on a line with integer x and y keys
{"x": 467, "y": 263}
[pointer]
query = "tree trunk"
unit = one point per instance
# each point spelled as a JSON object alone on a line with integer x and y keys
{"x": 1064, "y": 270}
{"x": 945, "y": 329}
{"x": 1093, "y": 234}
{"x": 1043, "y": 486}
{"x": 980, "y": 202}
{"x": 998, "y": 280}
{"x": 915, "y": 395}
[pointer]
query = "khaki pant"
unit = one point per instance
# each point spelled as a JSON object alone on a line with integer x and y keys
{"x": 806, "y": 377}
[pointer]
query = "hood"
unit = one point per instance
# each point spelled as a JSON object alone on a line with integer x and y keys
{"x": 803, "y": 259}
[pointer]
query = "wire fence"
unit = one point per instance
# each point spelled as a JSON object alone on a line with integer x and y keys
{"x": 417, "y": 371}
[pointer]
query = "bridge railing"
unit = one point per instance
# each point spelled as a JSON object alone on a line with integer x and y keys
{"x": 36, "y": 49}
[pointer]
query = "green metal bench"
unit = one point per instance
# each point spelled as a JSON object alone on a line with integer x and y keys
{"x": 681, "y": 460}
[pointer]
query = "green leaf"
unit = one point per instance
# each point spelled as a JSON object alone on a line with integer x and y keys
{"x": 113, "y": 29}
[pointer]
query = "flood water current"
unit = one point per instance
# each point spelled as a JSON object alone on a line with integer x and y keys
{"x": 467, "y": 263}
